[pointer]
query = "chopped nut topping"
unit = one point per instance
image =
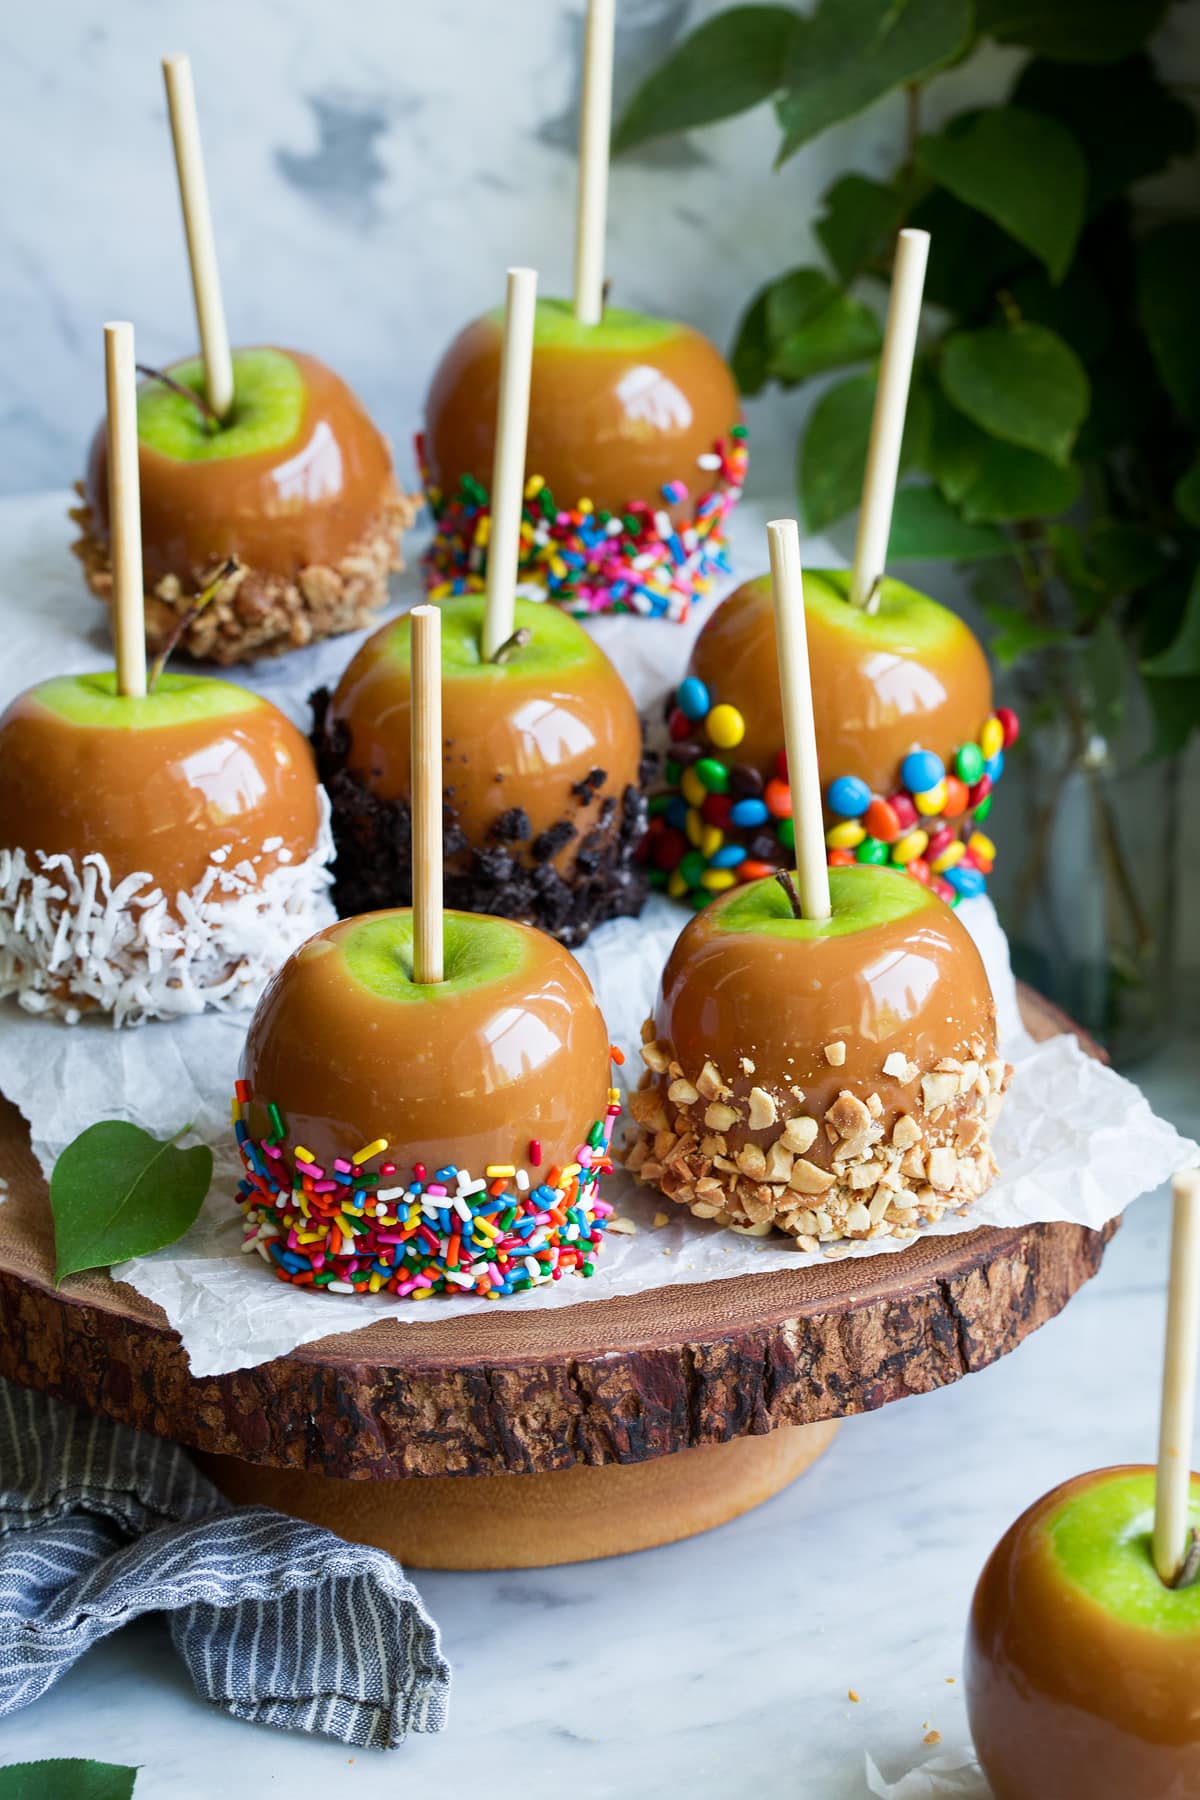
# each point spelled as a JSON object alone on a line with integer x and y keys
{"x": 752, "y": 1162}
{"x": 625, "y": 1227}
{"x": 906, "y": 1132}
{"x": 912, "y": 1163}
{"x": 763, "y": 1110}
{"x": 747, "y": 1067}
{"x": 943, "y": 1167}
{"x": 799, "y": 1134}
{"x": 874, "y": 1105}
{"x": 654, "y": 1057}
{"x": 779, "y": 1162}
{"x": 835, "y": 1054}
{"x": 806, "y": 1178}
{"x": 647, "y": 1031}
{"x": 682, "y": 1092}
{"x": 719, "y": 1117}
{"x": 857, "y": 1217}
{"x": 848, "y": 1115}
{"x": 709, "y": 1082}
{"x": 968, "y": 1077}
{"x": 899, "y": 1068}
{"x": 939, "y": 1089}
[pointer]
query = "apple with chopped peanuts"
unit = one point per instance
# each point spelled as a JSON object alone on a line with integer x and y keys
{"x": 829, "y": 1078}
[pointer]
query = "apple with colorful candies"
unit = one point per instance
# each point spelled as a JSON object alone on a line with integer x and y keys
{"x": 1083, "y": 1667}
{"x": 158, "y": 855}
{"x": 542, "y": 757}
{"x": 905, "y": 725}
{"x": 829, "y": 1078}
{"x": 420, "y": 1138}
{"x": 296, "y": 487}
{"x": 636, "y": 455}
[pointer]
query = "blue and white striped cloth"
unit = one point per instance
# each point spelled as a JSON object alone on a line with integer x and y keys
{"x": 277, "y": 1621}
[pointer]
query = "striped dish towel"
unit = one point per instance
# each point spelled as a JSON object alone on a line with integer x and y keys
{"x": 277, "y": 1621}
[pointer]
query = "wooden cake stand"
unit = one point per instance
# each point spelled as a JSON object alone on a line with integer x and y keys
{"x": 513, "y": 1438}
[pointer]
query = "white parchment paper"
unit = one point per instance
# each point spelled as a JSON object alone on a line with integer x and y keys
{"x": 952, "y": 1773}
{"x": 1075, "y": 1142}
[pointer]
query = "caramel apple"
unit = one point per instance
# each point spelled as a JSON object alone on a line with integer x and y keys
{"x": 635, "y": 456}
{"x": 1083, "y": 1667}
{"x": 542, "y": 754}
{"x": 830, "y": 1078}
{"x": 421, "y": 1137}
{"x": 909, "y": 743}
{"x": 158, "y": 854}
{"x": 294, "y": 489}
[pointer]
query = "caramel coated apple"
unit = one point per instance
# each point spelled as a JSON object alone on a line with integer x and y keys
{"x": 1083, "y": 1669}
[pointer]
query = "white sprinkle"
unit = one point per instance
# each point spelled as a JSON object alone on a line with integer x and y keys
{"x": 341, "y": 1287}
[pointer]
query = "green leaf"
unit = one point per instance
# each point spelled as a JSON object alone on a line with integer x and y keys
{"x": 66, "y": 1778}
{"x": 1020, "y": 382}
{"x": 1181, "y": 658}
{"x": 750, "y": 357}
{"x": 991, "y": 482}
{"x": 1156, "y": 125}
{"x": 1085, "y": 31}
{"x": 1106, "y": 663}
{"x": 858, "y": 224}
{"x": 1024, "y": 171}
{"x": 1167, "y": 262}
{"x": 1016, "y": 634}
{"x": 1126, "y": 557}
{"x": 925, "y": 527}
{"x": 118, "y": 1192}
{"x": 969, "y": 257}
{"x": 1187, "y": 494}
{"x": 813, "y": 326}
{"x": 1175, "y": 706}
{"x": 1075, "y": 308}
{"x": 849, "y": 53}
{"x": 727, "y": 65}
{"x": 833, "y": 451}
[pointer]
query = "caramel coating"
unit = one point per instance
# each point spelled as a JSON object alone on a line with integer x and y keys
{"x": 303, "y": 504}
{"x": 160, "y": 798}
{"x": 1066, "y": 1700}
{"x": 606, "y": 423}
{"x": 519, "y": 733}
{"x": 873, "y": 701}
{"x": 453, "y": 1073}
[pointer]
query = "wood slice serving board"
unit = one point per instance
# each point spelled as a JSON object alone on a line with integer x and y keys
{"x": 589, "y": 1429}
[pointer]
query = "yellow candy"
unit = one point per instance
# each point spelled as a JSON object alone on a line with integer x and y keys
{"x": 693, "y": 827}
{"x": 534, "y": 486}
{"x": 725, "y": 726}
{"x": 913, "y": 844}
{"x": 846, "y": 836}
{"x": 692, "y": 788}
{"x": 950, "y": 855}
{"x": 991, "y": 739}
{"x": 677, "y": 887}
{"x": 716, "y": 880}
{"x": 930, "y": 804}
{"x": 711, "y": 839}
{"x": 981, "y": 845}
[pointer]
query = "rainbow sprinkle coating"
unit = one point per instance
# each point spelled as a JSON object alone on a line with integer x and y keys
{"x": 589, "y": 560}
{"x": 355, "y": 1230}
{"x": 720, "y": 822}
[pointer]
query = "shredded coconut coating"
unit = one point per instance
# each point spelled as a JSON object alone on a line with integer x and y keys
{"x": 72, "y": 942}
{"x": 254, "y": 613}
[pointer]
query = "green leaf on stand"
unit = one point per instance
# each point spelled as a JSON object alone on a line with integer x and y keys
{"x": 858, "y": 224}
{"x": 1181, "y": 658}
{"x": 118, "y": 1192}
{"x": 1167, "y": 305}
{"x": 833, "y": 452}
{"x": 1075, "y": 308}
{"x": 750, "y": 357}
{"x": 1085, "y": 31}
{"x": 66, "y": 1778}
{"x": 991, "y": 482}
{"x": 1019, "y": 382}
{"x": 848, "y": 53}
{"x": 1187, "y": 494}
{"x": 969, "y": 257}
{"x": 1106, "y": 665}
{"x": 925, "y": 527}
{"x": 1016, "y": 634}
{"x": 1156, "y": 125}
{"x": 732, "y": 62}
{"x": 813, "y": 326}
{"x": 1024, "y": 171}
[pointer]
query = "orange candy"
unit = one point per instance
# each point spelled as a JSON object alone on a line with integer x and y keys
{"x": 838, "y": 859}
{"x": 756, "y": 871}
{"x": 881, "y": 820}
{"x": 777, "y": 798}
{"x": 957, "y": 797}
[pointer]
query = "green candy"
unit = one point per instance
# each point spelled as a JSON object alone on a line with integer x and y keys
{"x": 672, "y": 772}
{"x": 658, "y": 878}
{"x": 692, "y": 867}
{"x": 984, "y": 808}
{"x": 785, "y": 831}
{"x": 712, "y": 775}
{"x": 872, "y": 850}
{"x": 968, "y": 764}
{"x": 658, "y": 803}
{"x": 699, "y": 898}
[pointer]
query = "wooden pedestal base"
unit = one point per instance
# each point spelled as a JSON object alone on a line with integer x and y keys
{"x": 531, "y": 1521}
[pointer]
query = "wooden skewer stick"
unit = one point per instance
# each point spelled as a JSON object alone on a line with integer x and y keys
{"x": 1172, "y": 1530}
{"x": 595, "y": 129}
{"x": 426, "y": 759}
{"x": 508, "y": 469}
{"x": 197, "y": 223}
{"x": 124, "y": 511}
{"x": 887, "y": 421}
{"x": 799, "y": 729}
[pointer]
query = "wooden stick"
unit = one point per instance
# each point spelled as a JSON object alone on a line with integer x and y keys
{"x": 426, "y": 759}
{"x": 1172, "y": 1530}
{"x": 595, "y": 129}
{"x": 887, "y": 422}
{"x": 508, "y": 469}
{"x": 799, "y": 729}
{"x": 197, "y": 223}
{"x": 124, "y": 511}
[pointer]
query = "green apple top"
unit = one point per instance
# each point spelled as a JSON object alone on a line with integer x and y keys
{"x": 616, "y": 409}
{"x": 509, "y": 1047}
{"x": 294, "y": 478}
{"x": 155, "y": 784}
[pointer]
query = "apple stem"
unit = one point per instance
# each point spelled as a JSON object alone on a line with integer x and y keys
{"x": 1189, "y": 1568}
{"x": 520, "y": 637}
{"x": 228, "y": 568}
{"x": 211, "y": 418}
{"x": 787, "y": 882}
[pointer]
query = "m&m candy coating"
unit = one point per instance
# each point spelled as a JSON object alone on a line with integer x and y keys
{"x": 725, "y": 727}
{"x": 691, "y": 697}
{"x": 848, "y": 796}
{"x": 748, "y": 813}
{"x": 921, "y": 770}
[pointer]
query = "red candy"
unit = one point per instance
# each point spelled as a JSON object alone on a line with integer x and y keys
{"x": 679, "y": 725}
{"x": 941, "y": 840}
{"x": 669, "y": 848}
{"x": 957, "y": 796}
{"x": 942, "y": 889}
{"x": 781, "y": 764}
{"x": 918, "y": 868}
{"x": 839, "y": 859}
{"x": 1011, "y": 724}
{"x": 716, "y": 809}
{"x": 905, "y": 811}
{"x": 777, "y": 798}
{"x": 881, "y": 821}
{"x": 981, "y": 789}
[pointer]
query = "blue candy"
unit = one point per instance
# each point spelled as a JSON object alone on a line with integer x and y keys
{"x": 728, "y": 857}
{"x": 995, "y": 766}
{"x": 965, "y": 881}
{"x": 692, "y": 698}
{"x": 677, "y": 812}
{"x": 745, "y": 812}
{"x": 848, "y": 796}
{"x": 921, "y": 770}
